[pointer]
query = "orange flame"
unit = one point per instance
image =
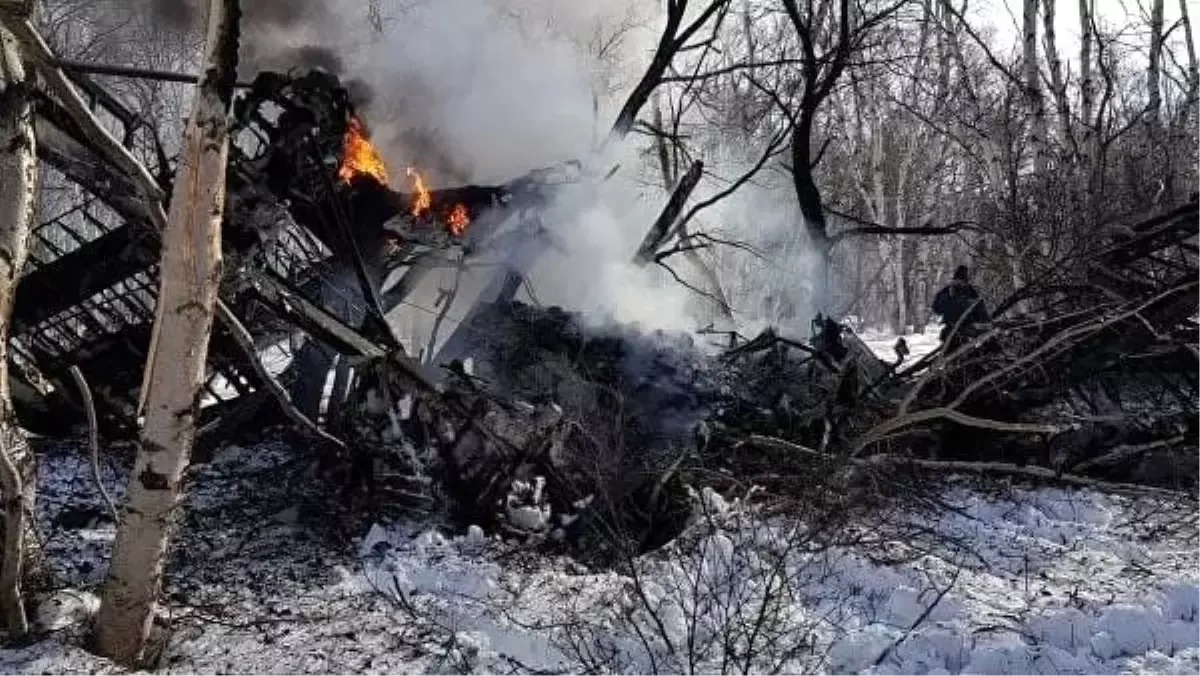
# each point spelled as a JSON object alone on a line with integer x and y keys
{"x": 422, "y": 201}
{"x": 359, "y": 156}
{"x": 458, "y": 220}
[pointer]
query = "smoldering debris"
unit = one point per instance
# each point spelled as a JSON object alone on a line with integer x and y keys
{"x": 600, "y": 432}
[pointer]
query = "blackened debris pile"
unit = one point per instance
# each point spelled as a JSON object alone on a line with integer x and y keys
{"x": 660, "y": 385}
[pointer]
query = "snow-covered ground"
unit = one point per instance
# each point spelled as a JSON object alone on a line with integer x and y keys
{"x": 882, "y": 343}
{"x": 1036, "y": 581}
{"x": 1014, "y": 580}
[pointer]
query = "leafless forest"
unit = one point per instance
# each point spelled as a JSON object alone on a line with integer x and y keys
{"x": 562, "y": 272}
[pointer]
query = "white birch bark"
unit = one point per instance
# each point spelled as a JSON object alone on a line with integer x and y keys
{"x": 1190, "y": 43}
{"x": 1087, "y": 103}
{"x": 1038, "y": 129}
{"x": 1155, "y": 130}
{"x": 1154, "y": 68}
{"x": 1057, "y": 82}
{"x": 190, "y": 276}
{"x": 1185, "y": 118}
{"x": 18, "y": 193}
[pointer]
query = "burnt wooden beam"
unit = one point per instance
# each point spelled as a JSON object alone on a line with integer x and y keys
{"x": 1154, "y": 234}
{"x": 75, "y": 68}
{"x": 59, "y": 147}
{"x": 662, "y": 226}
{"x": 275, "y": 294}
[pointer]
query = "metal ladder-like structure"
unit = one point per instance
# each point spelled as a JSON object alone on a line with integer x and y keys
{"x": 88, "y": 292}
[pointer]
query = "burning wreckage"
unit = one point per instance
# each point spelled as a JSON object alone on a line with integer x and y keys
{"x": 552, "y": 417}
{"x": 312, "y": 230}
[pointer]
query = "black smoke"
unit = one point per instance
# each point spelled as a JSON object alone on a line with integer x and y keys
{"x": 185, "y": 15}
{"x": 263, "y": 21}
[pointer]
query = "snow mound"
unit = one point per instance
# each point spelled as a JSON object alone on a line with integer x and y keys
{"x": 1038, "y": 581}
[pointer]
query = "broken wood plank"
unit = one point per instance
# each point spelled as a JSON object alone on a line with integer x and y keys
{"x": 662, "y": 225}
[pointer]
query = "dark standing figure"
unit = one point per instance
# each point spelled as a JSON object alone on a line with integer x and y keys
{"x": 960, "y": 300}
{"x": 827, "y": 337}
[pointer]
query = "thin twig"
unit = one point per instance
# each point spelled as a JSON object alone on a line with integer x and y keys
{"x": 924, "y": 616}
{"x": 242, "y": 336}
{"x": 89, "y": 406}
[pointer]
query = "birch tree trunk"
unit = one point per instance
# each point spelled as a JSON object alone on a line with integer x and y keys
{"x": 1193, "y": 70}
{"x": 1192, "y": 97}
{"x": 190, "y": 276}
{"x": 1039, "y": 130}
{"x": 1087, "y": 85}
{"x": 1154, "y": 125}
{"x": 18, "y": 199}
{"x": 1087, "y": 105}
{"x": 1057, "y": 82}
{"x": 1153, "y": 78}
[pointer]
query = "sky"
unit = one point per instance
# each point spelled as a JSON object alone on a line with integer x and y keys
{"x": 1005, "y": 15}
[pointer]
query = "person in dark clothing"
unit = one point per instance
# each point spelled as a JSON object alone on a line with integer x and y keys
{"x": 827, "y": 337}
{"x": 960, "y": 300}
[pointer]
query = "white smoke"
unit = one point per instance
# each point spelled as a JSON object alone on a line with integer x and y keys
{"x": 483, "y": 91}
{"x": 502, "y": 86}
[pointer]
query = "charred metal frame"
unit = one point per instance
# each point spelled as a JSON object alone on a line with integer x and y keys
{"x": 87, "y": 297}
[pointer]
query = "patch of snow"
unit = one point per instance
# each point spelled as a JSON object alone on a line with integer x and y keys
{"x": 66, "y": 608}
{"x": 883, "y": 343}
{"x": 1011, "y": 596}
{"x": 1020, "y": 581}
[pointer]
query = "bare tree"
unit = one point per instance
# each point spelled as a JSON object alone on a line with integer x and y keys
{"x": 830, "y": 37}
{"x": 674, "y": 37}
{"x": 18, "y": 199}
{"x": 190, "y": 276}
{"x": 1156, "y": 130}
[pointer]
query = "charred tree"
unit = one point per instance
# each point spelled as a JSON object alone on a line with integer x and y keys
{"x": 827, "y": 52}
{"x": 674, "y": 38}
{"x": 175, "y": 372}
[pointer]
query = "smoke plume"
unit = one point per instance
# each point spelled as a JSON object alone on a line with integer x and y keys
{"x": 276, "y": 34}
{"x": 482, "y": 91}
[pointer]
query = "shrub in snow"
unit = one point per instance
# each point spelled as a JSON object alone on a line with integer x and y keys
{"x": 1182, "y": 601}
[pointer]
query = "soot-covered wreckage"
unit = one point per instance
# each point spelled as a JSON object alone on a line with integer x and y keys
{"x": 312, "y": 229}
{"x": 1099, "y": 386}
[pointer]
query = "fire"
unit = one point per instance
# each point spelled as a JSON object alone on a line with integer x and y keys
{"x": 458, "y": 220}
{"x": 359, "y": 156}
{"x": 422, "y": 201}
